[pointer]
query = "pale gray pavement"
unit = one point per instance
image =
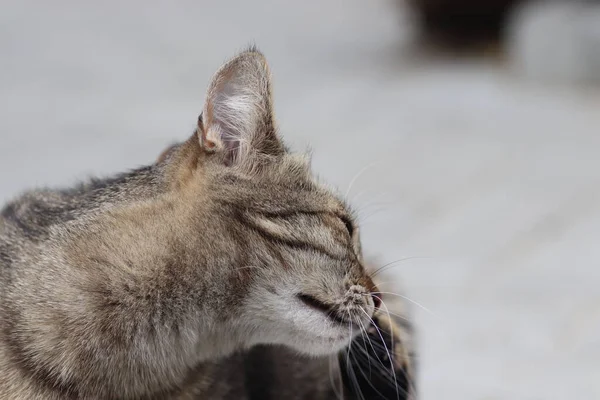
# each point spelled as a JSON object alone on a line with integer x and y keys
{"x": 492, "y": 185}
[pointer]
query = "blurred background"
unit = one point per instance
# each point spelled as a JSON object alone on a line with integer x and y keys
{"x": 466, "y": 134}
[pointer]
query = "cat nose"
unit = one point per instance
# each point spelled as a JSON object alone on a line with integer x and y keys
{"x": 358, "y": 294}
{"x": 372, "y": 290}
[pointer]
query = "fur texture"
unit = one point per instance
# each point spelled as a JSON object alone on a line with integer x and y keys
{"x": 222, "y": 271}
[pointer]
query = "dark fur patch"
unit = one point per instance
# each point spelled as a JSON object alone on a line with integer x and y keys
{"x": 371, "y": 377}
{"x": 259, "y": 374}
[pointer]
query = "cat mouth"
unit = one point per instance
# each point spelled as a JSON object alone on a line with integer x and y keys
{"x": 330, "y": 311}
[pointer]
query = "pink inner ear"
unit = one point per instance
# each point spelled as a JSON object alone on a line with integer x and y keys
{"x": 216, "y": 130}
{"x": 237, "y": 106}
{"x": 230, "y": 116}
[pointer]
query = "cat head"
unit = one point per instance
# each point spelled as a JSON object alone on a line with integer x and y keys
{"x": 282, "y": 250}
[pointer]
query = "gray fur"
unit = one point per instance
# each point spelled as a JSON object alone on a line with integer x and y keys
{"x": 177, "y": 279}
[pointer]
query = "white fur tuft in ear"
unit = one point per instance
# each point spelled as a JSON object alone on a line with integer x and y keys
{"x": 237, "y": 117}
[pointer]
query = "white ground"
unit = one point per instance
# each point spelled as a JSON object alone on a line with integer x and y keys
{"x": 493, "y": 185}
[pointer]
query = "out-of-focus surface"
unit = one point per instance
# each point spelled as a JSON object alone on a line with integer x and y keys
{"x": 559, "y": 41}
{"x": 489, "y": 185}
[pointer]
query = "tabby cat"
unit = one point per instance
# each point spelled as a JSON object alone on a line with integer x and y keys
{"x": 222, "y": 271}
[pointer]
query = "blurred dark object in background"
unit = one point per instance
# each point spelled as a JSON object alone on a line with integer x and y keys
{"x": 550, "y": 41}
{"x": 462, "y": 23}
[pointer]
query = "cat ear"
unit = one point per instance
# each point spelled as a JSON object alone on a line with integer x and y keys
{"x": 237, "y": 118}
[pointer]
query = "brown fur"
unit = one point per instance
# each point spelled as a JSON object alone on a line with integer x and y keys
{"x": 180, "y": 279}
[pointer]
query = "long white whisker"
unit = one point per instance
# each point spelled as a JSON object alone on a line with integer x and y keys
{"x": 366, "y": 378}
{"x": 373, "y": 201}
{"x": 363, "y": 218}
{"x": 409, "y": 300}
{"x": 405, "y": 372}
{"x": 386, "y": 350}
{"x": 368, "y": 358}
{"x": 362, "y": 171}
{"x": 338, "y": 395}
{"x": 350, "y": 370}
{"x": 393, "y": 264}
{"x": 365, "y": 334}
{"x": 375, "y": 196}
{"x": 388, "y": 311}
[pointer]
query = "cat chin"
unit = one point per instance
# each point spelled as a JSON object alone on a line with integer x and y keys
{"x": 308, "y": 345}
{"x": 319, "y": 345}
{"x": 325, "y": 348}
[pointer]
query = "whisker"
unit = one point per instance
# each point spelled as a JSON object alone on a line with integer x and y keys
{"x": 366, "y": 335}
{"x": 375, "y": 196}
{"x": 407, "y": 299}
{"x": 390, "y": 282}
{"x": 349, "y": 368}
{"x": 338, "y": 395}
{"x": 363, "y": 336}
{"x": 366, "y": 378}
{"x": 374, "y": 201}
{"x": 358, "y": 174}
{"x": 386, "y": 349}
{"x": 363, "y": 218}
{"x": 389, "y": 312}
{"x": 385, "y": 373}
{"x": 393, "y": 264}
{"x": 411, "y": 387}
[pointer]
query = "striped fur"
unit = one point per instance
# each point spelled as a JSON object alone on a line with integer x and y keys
{"x": 222, "y": 271}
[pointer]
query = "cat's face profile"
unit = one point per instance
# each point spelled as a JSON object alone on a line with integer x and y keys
{"x": 159, "y": 282}
{"x": 303, "y": 283}
{"x": 293, "y": 273}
